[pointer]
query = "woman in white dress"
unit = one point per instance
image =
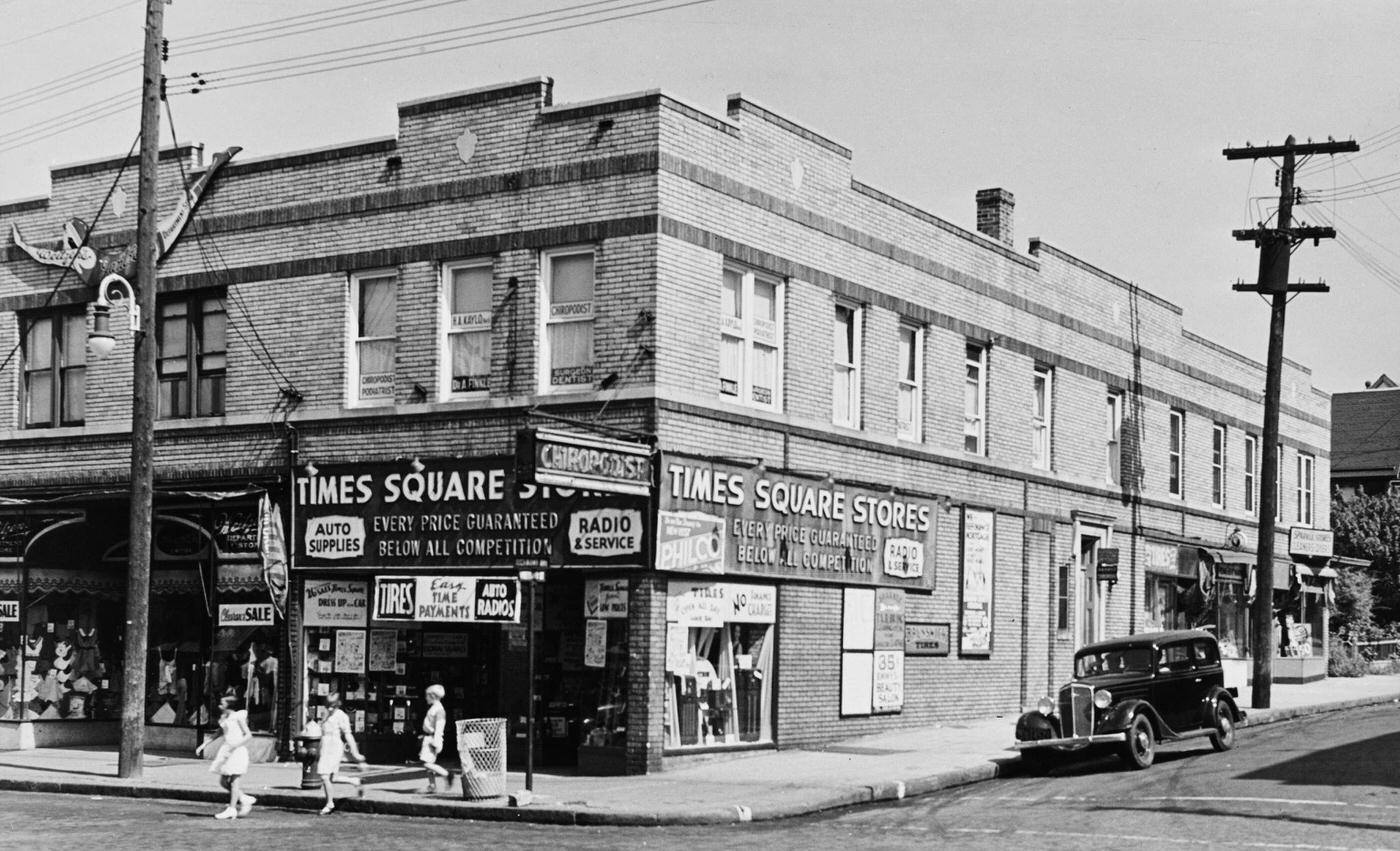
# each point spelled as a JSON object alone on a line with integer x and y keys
{"x": 336, "y": 736}
{"x": 231, "y": 762}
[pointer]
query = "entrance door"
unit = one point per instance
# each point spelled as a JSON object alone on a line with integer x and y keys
{"x": 1090, "y": 598}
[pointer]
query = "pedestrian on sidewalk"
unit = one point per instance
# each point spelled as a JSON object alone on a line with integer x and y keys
{"x": 336, "y": 737}
{"x": 231, "y": 762}
{"x": 434, "y": 726}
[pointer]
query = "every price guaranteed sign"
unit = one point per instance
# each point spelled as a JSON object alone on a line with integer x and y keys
{"x": 447, "y": 599}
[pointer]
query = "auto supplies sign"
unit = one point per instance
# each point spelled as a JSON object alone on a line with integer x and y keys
{"x": 447, "y": 599}
{"x": 718, "y": 516}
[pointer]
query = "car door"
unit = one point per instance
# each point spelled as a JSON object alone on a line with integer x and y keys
{"x": 1175, "y": 686}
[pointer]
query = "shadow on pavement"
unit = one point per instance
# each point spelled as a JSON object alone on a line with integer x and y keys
{"x": 1352, "y": 764}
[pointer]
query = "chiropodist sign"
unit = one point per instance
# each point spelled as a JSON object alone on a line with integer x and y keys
{"x": 457, "y": 512}
{"x": 718, "y": 517}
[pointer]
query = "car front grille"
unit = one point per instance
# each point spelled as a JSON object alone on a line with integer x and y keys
{"x": 1077, "y": 710}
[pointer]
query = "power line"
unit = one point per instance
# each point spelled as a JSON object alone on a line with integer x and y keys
{"x": 85, "y": 78}
{"x": 106, "y": 113}
{"x": 73, "y": 22}
{"x": 59, "y": 121}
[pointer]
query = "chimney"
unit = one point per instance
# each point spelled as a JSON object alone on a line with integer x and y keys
{"x": 994, "y": 209}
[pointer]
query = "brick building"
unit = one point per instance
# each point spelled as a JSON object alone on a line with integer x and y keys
{"x": 892, "y": 461}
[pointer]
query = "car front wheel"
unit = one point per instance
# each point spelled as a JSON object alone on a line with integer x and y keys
{"x": 1224, "y": 736}
{"x": 1141, "y": 746}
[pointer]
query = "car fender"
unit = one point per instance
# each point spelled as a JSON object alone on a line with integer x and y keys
{"x": 1120, "y": 716}
{"x": 1034, "y": 722}
{"x": 1218, "y": 695}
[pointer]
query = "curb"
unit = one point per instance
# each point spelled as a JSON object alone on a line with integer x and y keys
{"x": 1260, "y": 717}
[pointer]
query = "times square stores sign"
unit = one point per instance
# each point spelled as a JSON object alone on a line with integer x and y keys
{"x": 721, "y": 518}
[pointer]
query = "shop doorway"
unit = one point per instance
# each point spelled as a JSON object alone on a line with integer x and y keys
{"x": 1091, "y": 602}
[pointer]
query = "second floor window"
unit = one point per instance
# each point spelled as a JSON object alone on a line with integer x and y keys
{"x": 567, "y": 350}
{"x": 55, "y": 369}
{"x": 911, "y": 382}
{"x": 1251, "y": 472}
{"x": 1041, "y": 417}
{"x": 1176, "y": 442}
{"x": 193, "y": 356}
{"x": 975, "y": 401}
{"x": 1306, "y": 465}
{"x": 1217, "y": 465}
{"x": 1114, "y": 437}
{"x": 750, "y": 338}
{"x": 845, "y": 382}
{"x": 467, "y": 325}
{"x": 375, "y": 326}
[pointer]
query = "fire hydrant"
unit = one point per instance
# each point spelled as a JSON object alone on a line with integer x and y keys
{"x": 308, "y": 751}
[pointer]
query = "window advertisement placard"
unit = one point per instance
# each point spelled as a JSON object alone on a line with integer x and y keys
{"x": 457, "y": 512}
{"x": 887, "y": 694}
{"x": 717, "y": 603}
{"x": 335, "y": 602}
{"x": 889, "y": 619}
{"x": 383, "y": 649}
{"x": 9, "y": 611}
{"x": 718, "y": 516}
{"x": 605, "y": 598}
{"x": 349, "y": 651}
{"x": 447, "y": 599}
{"x": 595, "y": 643}
{"x": 241, "y": 614}
{"x": 927, "y": 639}
{"x": 978, "y": 543}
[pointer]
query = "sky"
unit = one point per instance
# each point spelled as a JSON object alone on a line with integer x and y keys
{"x": 1105, "y": 119}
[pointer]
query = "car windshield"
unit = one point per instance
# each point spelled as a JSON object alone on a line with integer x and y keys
{"x": 1119, "y": 660}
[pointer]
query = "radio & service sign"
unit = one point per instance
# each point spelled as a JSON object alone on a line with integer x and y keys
{"x": 717, "y": 517}
{"x": 458, "y": 512}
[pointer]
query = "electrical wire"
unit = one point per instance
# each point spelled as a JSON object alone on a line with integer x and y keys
{"x": 420, "y": 45}
{"x": 30, "y": 139}
{"x": 81, "y": 79}
{"x": 310, "y": 22}
{"x": 60, "y": 121}
{"x": 67, "y": 270}
{"x": 82, "y": 20}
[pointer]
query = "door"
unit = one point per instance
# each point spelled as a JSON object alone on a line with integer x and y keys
{"x": 1090, "y": 596}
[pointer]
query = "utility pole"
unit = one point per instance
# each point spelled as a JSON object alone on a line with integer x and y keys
{"x": 1276, "y": 246}
{"x": 143, "y": 383}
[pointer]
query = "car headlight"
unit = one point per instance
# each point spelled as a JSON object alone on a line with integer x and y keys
{"x": 1103, "y": 698}
{"x": 1045, "y": 706}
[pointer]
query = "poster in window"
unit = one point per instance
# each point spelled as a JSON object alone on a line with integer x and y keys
{"x": 335, "y": 602}
{"x": 889, "y": 619}
{"x": 888, "y": 690}
{"x": 595, "y": 644}
{"x": 383, "y": 646}
{"x": 978, "y": 540}
{"x": 349, "y": 651}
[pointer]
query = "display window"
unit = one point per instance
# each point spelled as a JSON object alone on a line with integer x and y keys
{"x": 719, "y": 663}
{"x": 603, "y": 671}
{"x": 61, "y": 659}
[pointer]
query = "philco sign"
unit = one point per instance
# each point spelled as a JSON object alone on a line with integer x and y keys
{"x": 572, "y": 461}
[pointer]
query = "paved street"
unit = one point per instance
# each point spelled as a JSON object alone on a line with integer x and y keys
{"x": 1327, "y": 782}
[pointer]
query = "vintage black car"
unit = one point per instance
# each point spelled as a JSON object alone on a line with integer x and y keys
{"x": 1131, "y": 693}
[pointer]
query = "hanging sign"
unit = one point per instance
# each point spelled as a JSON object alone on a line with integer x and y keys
{"x": 605, "y": 598}
{"x": 447, "y": 599}
{"x": 335, "y": 602}
{"x": 548, "y": 457}
{"x": 243, "y": 614}
{"x": 1108, "y": 564}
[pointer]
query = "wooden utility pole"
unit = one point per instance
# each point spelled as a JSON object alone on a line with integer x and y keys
{"x": 143, "y": 385}
{"x": 1276, "y": 246}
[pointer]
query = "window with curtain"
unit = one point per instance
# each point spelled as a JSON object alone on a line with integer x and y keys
{"x": 1041, "y": 384}
{"x": 1217, "y": 465}
{"x": 975, "y": 400}
{"x": 845, "y": 387}
{"x": 374, "y": 298}
{"x": 750, "y": 340}
{"x": 191, "y": 367}
{"x": 1176, "y": 426}
{"x": 1251, "y": 472}
{"x": 1114, "y": 437}
{"x": 55, "y": 369}
{"x": 467, "y": 326}
{"x": 1306, "y": 466}
{"x": 911, "y": 382}
{"x": 567, "y": 356}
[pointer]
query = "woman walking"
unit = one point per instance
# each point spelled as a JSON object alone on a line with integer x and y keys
{"x": 434, "y": 725}
{"x": 231, "y": 762}
{"x": 336, "y": 736}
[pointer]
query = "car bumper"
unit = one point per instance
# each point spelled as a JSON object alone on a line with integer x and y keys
{"x": 1073, "y": 742}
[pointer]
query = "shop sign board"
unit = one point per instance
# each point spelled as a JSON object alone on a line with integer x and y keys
{"x": 335, "y": 602}
{"x": 245, "y": 614}
{"x": 888, "y": 688}
{"x": 561, "y": 459}
{"x": 1159, "y": 558}
{"x": 605, "y": 598}
{"x": 717, "y": 603}
{"x": 447, "y": 599}
{"x": 689, "y": 542}
{"x": 978, "y": 557}
{"x": 1108, "y": 564}
{"x": 9, "y": 611}
{"x": 18, "y": 529}
{"x": 457, "y": 512}
{"x": 1309, "y": 543}
{"x": 785, "y": 525}
{"x": 927, "y": 639}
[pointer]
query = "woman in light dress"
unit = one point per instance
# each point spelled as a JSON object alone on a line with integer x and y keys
{"x": 231, "y": 762}
{"x": 336, "y": 736}
{"x": 434, "y": 726}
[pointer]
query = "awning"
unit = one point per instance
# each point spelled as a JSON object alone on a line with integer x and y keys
{"x": 124, "y": 494}
{"x": 1229, "y": 556}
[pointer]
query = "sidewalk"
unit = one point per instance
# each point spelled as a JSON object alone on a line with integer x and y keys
{"x": 758, "y": 785}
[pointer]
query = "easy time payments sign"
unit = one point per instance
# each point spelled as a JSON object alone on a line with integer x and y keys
{"x": 447, "y": 599}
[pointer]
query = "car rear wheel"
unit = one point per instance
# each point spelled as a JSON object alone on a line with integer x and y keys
{"x": 1224, "y": 736}
{"x": 1141, "y": 747}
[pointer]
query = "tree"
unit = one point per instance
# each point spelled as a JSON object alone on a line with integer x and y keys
{"x": 1368, "y": 527}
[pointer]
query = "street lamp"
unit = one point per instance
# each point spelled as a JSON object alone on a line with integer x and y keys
{"x": 530, "y": 577}
{"x": 113, "y": 288}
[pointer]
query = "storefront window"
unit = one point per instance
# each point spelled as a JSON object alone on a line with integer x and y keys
{"x": 59, "y": 657}
{"x": 720, "y": 663}
{"x": 1232, "y": 624}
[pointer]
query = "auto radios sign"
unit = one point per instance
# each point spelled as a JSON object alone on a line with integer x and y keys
{"x": 447, "y": 599}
